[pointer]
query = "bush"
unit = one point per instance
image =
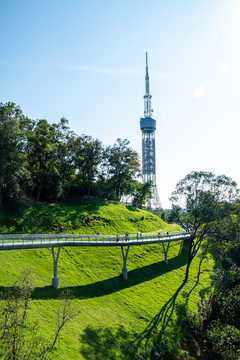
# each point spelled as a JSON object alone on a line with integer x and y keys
{"x": 166, "y": 350}
{"x": 224, "y": 340}
{"x": 234, "y": 253}
{"x": 227, "y": 263}
{"x": 226, "y": 279}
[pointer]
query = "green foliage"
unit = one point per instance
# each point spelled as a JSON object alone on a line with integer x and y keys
{"x": 171, "y": 216}
{"x": 230, "y": 307}
{"x": 233, "y": 252}
{"x": 216, "y": 325}
{"x": 123, "y": 166}
{"x": 165, "y": 350}
{"x": 86, "y": 155}
{"x": 19, "y": 338}
{"x": 49, "y": 162}
{"x": 226, "y": 279}
{"x": 207, "y": 203}
{"x": 141, "y": 193}
{"x": 224, "y": 341}
{"x": 13, "y": 174}
{"x": 19, "y": 335}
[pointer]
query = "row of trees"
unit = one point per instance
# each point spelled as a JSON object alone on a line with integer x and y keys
{"x": 49, "y": 161}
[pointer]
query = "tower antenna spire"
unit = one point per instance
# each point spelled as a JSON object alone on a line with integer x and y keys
{"x": 148, "y": 127}
{"x": 147, "y": 77}
{"x": 147, "y": 97}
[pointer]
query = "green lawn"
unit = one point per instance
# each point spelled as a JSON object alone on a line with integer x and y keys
{"x": 117, "y": 316}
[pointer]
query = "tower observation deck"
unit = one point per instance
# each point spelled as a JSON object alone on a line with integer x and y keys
{"x": 148, "y": 127}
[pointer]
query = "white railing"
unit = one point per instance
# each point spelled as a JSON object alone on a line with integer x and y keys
{"x": 18, "y": 240}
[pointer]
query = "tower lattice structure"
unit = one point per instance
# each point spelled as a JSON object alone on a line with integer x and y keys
{"x": 148, "y": 127}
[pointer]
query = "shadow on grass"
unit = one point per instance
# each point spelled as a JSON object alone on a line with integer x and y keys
{"x": 131, "y": 208}
{"x": 99, "y": 344}
{"x": 114, "y": 284}
{"x": 157, "y": 326}
{"x": 111, "y": 343}
{"x": 46, "y": 217}
{"x": 161, "y": 325}
{"x": 106, "y": 343}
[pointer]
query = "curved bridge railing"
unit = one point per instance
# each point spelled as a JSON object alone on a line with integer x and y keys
{"x": 36, "y": 241}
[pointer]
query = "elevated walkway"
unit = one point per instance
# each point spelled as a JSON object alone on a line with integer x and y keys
{"x": 36, "y": 241}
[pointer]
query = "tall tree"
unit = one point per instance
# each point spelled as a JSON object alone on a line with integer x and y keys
{"x": 12, "y": 170}
{"x": 206, "y": 201}
{"x": 86, "y": 155}
{"x": 141, "y": 193}
{"x": 47, "y": 158}
{"x": 123, "y": 168}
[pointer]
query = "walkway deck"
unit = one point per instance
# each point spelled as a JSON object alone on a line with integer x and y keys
{"x": 36, "y": 241}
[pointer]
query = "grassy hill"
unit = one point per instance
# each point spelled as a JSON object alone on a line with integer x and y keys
{"x": 71, "y": 217}
{"x": 116, "y": 316}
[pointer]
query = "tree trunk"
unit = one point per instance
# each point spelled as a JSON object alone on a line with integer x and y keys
{"x": 57, "y": 335}
{"x": 187, "y": 271}
{"x": 190, "y": 257}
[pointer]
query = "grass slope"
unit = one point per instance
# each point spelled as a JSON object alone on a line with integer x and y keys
{"x": 106, "y": 218}
{"x": 117, "y": 316}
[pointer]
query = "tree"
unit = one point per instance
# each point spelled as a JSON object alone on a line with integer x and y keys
{"x": 169, "y": 216}
{"x": 141, "y": 193}
{"x": 206, "y": 199}
{"x": 47, "y": 157}
{"x": 86, "y": 156}
{"x": 123, "y": 167}
{"x": 12, "y": 159}
{"x": 18, "y": 341}
{"x": 215, "y": 327}
{"x": 19, "y": 336}
{"x": 48, "y": 161}
{"x": 65, "y": 313}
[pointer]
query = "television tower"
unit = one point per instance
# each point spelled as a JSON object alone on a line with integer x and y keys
{"x": 148, "y": 127}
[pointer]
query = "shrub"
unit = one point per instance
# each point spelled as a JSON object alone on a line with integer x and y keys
{"x": 165, "y": 350}
{"x": 224, "y": 340}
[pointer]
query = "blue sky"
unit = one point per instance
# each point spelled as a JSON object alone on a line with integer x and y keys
{"x": 85, "y": 60}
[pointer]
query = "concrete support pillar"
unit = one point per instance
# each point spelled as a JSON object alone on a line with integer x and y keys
{"x": 165, "y": 249}
{"x": 55, "y": 279}
{"x": 124, "y": 269}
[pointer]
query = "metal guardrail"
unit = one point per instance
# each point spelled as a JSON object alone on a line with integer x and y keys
{"x": 34, "y": 241}
{"x": 13, "y": 241}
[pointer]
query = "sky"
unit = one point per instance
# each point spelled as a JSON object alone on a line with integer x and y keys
{"x": 85, "y": 60}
